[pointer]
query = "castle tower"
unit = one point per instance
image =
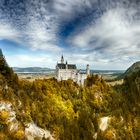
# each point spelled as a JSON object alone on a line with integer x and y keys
{"x": 87, "y": 70}
{"x": 66, "y": 65}
{"x": 62, "y": 59}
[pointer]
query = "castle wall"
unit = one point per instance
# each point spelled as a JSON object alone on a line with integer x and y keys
{"x": 65, "y": 74}
{"x": 81, "y": 78}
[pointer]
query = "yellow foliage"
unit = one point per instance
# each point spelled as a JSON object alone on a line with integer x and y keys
{"x": 19, "y": 134}
{"x": 3, "y": 136}
{"x": 4, "y": 116}
{"x": 109, "y": 135}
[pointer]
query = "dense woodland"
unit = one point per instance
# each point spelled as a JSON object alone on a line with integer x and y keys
{"x": 69, "y": 111}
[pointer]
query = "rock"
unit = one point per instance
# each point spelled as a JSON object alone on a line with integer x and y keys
{"x": 32, "y": 131}
{"x": 104, "y": 123}
{"x": 8, "y": 107}
{"x": 95, "y": 136}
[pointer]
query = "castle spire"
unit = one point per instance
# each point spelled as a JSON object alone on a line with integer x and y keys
{"x": 62, "y": 59}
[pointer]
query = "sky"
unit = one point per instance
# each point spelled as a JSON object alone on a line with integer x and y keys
{"x": 102, "y": 33}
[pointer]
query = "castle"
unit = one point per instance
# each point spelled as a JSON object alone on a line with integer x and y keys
{"x": 65, "y": 71}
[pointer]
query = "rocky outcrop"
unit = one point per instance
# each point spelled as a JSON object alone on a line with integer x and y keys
{"x": 31, "y": 131}
{"x": 104, "y": 123}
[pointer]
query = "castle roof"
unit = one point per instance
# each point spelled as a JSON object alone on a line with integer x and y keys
{"x": 63, "y": 66}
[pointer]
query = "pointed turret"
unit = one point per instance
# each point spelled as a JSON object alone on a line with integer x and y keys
{"x": 87, "y": 70}
{"x": 66, "y": 65}
{"x": 62, "y": 59}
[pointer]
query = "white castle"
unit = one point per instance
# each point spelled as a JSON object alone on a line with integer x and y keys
{"x": 65, "y": 71}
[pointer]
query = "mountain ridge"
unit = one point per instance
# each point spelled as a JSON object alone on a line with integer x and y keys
{"x": 135, "y": 67}
{"x": 31, "y": 69}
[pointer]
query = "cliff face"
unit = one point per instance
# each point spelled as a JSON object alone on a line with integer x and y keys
{"x": 14, "y": 128}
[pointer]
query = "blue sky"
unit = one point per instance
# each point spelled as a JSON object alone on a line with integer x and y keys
{"x": 102, "y": 33}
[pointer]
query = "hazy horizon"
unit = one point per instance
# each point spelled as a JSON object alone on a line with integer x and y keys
{"x": 77, "y": 68}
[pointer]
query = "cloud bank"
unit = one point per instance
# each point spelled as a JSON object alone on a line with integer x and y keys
{"x": 101, "y": 33}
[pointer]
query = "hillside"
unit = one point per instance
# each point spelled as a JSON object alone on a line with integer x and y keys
{"x": 132, "y": 88}
{"x": 15, "y": 121}
{"x": 132, "y": 69}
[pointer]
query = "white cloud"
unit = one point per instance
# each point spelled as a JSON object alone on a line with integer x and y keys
{"x": 26, "y": 60}
{"x": 114, "y": 36}
{"x": 8, "y": 32}
{"x": 38, "y": 28}
{"x": 31, "y": 30}
{"x": 40, "y": 37}
{"x": 67, "y": 9}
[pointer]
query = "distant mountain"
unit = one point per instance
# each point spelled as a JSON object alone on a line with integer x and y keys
{"x": 31, "y": 69}
{"x": 107, "y": 72}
